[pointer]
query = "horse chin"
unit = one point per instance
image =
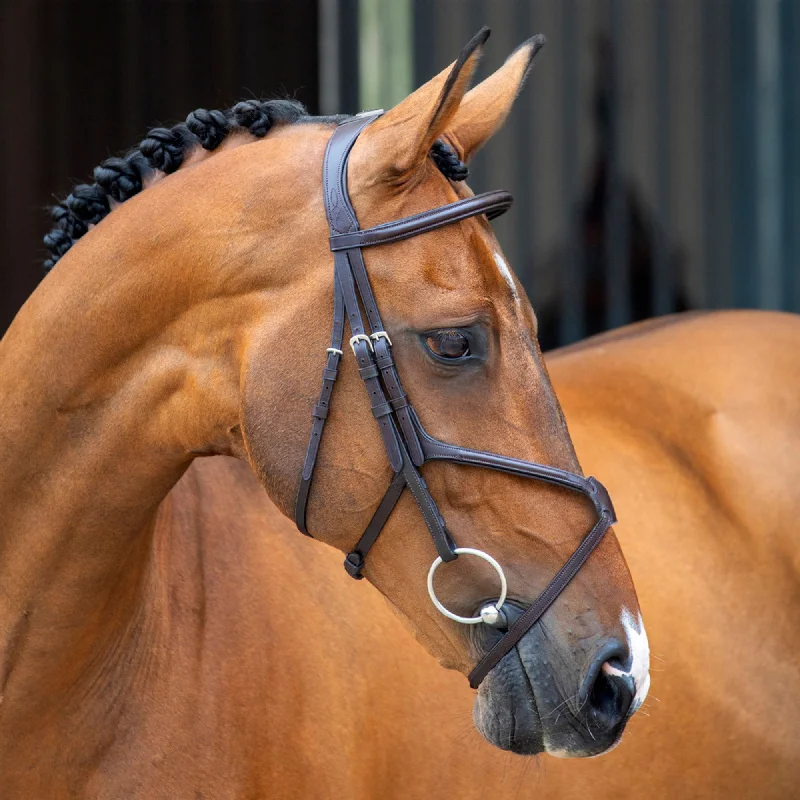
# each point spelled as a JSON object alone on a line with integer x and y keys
{"x": 506, "y": 714}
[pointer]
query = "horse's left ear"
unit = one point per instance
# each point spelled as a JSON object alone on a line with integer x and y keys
{"x": 397, "y": 143}
{"x": 484, "y": 108}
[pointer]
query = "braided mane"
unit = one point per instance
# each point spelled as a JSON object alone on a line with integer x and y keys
{"x": 164, "y": 150}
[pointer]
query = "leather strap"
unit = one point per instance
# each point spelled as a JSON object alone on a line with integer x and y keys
{"x": 340, "y": 213}
{"x": 398, "y": 400}
{"x": 329, "y": 376}
{"x": 435, "y": 450}
{"x": 341, "y": 217}
{"x": 365, "y": 358}
{"x": 493, "y": 204}
{"x": 383, "y": 355}
{"x": 354, "y": 561}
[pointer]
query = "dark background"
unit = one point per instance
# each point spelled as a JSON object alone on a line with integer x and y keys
{"x": 654, "y": 155}
{"x": 84, "y": 79}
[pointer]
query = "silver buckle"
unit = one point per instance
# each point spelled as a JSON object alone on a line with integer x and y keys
{"x": 381, "y": 335}
{"x": 360, "y": 337}
{"x": 335, "y": 351}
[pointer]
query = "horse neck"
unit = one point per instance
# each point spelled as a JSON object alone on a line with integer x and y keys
{"x": 122, "y": 367}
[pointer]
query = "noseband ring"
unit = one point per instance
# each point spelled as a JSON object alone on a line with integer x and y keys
{"x": 408, "y": 445}
{"x": 470, "y": 551}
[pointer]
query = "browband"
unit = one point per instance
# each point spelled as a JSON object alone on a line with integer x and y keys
{"x": 408, "y": 446}
{"x": 493, "y": 204}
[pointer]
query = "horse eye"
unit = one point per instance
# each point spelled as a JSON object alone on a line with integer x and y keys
{"x": 450, "y": 344}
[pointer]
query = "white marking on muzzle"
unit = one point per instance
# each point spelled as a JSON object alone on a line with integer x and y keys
{"x": 506, "y": 273}
{"x": 640, "y": 657}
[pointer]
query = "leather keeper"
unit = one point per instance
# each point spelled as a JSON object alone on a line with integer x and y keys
{"x": 399, "y": 402}
{"x": 330, "y": 374}
{"x": 320, "y": 412}
{"x": 370, "y": 371}
{"x": 353, "y": 564}
{"x": 381, "y": 410}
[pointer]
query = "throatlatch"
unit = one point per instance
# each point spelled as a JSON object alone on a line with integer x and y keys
{"x": 407, "y": 444}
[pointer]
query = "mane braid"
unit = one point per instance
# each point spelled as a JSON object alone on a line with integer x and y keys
{"x": 164, "y": 150}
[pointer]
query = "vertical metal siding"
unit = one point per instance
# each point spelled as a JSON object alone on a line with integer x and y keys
{"x": 790, "y": 120}
{"x": 573, "y": 287}
{"x": 768, "y": 154}
{"x": 663, "y": 276}
{"x": 715, "y": 179}
{"x": 742, "y": 127}
{"x": 617, "y": 283}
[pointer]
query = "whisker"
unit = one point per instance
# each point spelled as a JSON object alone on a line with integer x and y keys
{"x": 568, "y": 700}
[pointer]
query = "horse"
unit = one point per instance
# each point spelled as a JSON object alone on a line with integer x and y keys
{"x": 183, "y": 317}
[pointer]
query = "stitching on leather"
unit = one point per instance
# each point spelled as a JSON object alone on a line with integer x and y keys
{"x": 340, "y": 178}
{"x": 364, "y": 238}
{"x": 360, "y": 123}
{"x": 555, "y": 472}
{"x": 431, "y": 510}
{"x": 362, "y": 280}
{"x": 486, "y": 201}
{"x": 467, "y": 210}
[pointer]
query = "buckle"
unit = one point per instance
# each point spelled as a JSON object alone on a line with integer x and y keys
{"x": 381, "y": 335}
{"x": 353, "y": 564}
{"x": 360, "y": 337}
{"x": 335, "y": 350}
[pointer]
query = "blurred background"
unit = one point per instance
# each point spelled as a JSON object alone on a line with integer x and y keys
{"x": 654, "y": 155}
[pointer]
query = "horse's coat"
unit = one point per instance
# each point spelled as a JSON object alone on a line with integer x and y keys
{"x": 502, "y": 265}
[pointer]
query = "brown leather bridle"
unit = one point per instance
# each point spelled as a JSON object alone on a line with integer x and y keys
{"x": 407, "y": 444}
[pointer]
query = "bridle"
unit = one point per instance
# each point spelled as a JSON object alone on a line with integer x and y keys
{"x": 407, "y": 444}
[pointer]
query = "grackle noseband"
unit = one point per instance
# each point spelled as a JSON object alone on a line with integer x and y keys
{"x": 407, "y": 444}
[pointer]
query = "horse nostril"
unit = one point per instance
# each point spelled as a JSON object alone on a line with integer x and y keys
{"x": 610, "y": 696}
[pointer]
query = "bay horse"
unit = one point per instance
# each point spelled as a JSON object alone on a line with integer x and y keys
{"x": 190, "y": 322}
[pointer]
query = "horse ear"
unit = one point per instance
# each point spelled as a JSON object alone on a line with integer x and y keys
{"x": 484, "y": 109}
{"x": 401, "y": 138}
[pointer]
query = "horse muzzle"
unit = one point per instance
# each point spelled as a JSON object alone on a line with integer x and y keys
{"x": 544, "y": 698}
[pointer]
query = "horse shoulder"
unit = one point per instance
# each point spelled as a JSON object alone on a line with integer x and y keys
{"x": 693, "y": 423}
{"x": 717, "y": 396}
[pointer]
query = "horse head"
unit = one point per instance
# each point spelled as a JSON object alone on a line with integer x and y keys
{"x": 464, "y": 342}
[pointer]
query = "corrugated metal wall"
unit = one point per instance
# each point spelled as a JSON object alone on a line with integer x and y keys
{"x": 654, "y": 155}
